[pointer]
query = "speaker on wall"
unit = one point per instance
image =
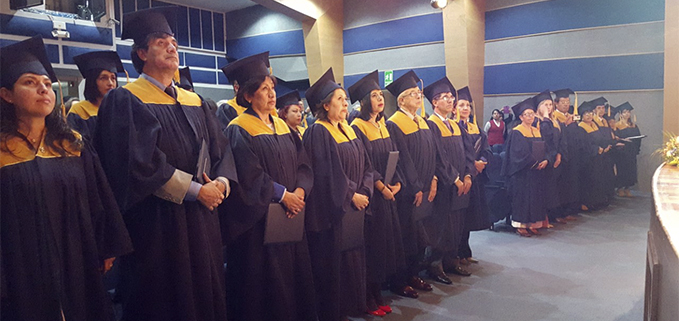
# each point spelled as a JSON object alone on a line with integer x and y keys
{"x": 21, "y": 4}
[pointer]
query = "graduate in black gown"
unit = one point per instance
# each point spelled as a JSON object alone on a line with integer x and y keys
{"x": 61, "y": 228}
{"x": 266, "y": 281}
{"x": 383, "y": 243}
{"x": 596, "y": 144}
{"x": 237, "y": 72}
{"x": 99, "y": 69}
{"x": 290, "y": 109}
{"x": 343, "y": 180}
{"x": 607, "y": 178}
{"x": 555, "y": 144}
{"x": 454, "y": 170}
{"x": 524, "y": 167}
{"x": 169, "y": 166}
{"x": 417, "y": 158}
{"x": 477, "y": 214}
{"x": 626, "y": 162}
{"x": 568, "y": 177}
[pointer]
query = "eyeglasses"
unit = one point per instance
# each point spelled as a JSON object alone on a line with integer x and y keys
{"x": 528, "y": 114}
{"x": 415, "y": 94}
{"x": 447, "y": 98}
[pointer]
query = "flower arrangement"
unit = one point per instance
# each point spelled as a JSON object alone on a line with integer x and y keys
{"x": 670, "y": 151}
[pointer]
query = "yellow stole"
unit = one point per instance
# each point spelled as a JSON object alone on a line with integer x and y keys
{"x": 18, "y": 151}
{"x": 255, "y": 126}
{"x": 369, "y": 130}
{"x": 85, "y": 109}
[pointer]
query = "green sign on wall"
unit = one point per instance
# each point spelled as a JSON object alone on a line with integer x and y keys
{"x": 388, "y": 77}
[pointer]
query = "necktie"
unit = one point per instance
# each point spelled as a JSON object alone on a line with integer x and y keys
{"x": 449, "y": 126}
{"x": 170, "y": 91}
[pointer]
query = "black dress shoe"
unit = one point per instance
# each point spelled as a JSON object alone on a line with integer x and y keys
{"x": 419, "y": 284}
{"x": 459, "y": 271}
{"x": 405, "y": 291}
{"x": 439, "y": 276}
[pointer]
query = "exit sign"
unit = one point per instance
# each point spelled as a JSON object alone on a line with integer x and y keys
{"x": 388, "y": 77}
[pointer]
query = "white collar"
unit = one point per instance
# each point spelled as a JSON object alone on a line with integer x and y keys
{"x": 407, "y": 113}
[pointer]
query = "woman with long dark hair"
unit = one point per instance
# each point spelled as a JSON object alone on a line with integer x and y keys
{"x": 383, "y": 244}
{"x": 267, "y": 281}
{"x": 343, "y": 184}
{"x": 626, "y": 162}
{"x": 61, "y": 228}
{"x": 99, "y": 69}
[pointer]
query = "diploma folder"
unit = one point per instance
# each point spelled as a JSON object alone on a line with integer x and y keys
{"x": 424, "y": 210}
{"x": 391, "y": 168}
{"x": 538, "y": 151}
{"x": 352, "y": 229}
{"x": 204, "y": 164}
{"x": 281, "y": 229}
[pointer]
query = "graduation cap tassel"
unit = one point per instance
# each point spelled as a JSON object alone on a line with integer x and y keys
{"x": 127, "y": 75}
{"x": 474, "y": 114}
{"x": 176, "y": 76}
{"x": 609, "y": 110}
{"x": 63, "y": 106}
{"x": 634, "y": 117}
{"x": 575, "y": 105}
{"x": 421, "y": 94}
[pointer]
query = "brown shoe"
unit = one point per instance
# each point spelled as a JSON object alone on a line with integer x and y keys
{"x": 561, "y": 220}
{"x": 419, "y": 284}
{"x": 523, "y": 232}
{"x": 621, "y": 192}
{"x": 628, "y": 193}
{"x": 534, "y": 231}
{"x": 571, "y": 218}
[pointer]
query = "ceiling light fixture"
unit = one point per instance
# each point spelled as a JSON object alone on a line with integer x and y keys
{"x": 439, "y": 4}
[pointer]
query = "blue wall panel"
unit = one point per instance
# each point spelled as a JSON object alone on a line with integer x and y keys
{"x": 406, "y": 31}
{"x": 52, "y": 53}
{"x": 194, "y": 60}
{"x": 202, "y": 76}
{"x": 129, "y": 6}
{"x": 22, "y": 26}
{"x": 546, "y": 16}
{"x": 590, "y": 74}
{"x": 70, "y": 52}
{"x": 124, "y": 51}
{"x": 221, "y": 61}
{"x": 194, "y": 25}
{"x": 281, "y": 43}
{"x": 219, "y": 31}
{"x": 156, "y": 3}
{"x": 143, "y": 4}
{"x": 427, "y": 74}
{"x": 130, "y": 70}
{"x": 90, "y": 34}
{"x": 206, "y": 21}
{"x": 182, "y": 33}
{"x": 222, "y": 79}
{"x": 117, "y": 15}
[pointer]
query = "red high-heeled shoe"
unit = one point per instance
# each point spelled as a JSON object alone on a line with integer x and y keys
{"x": 377, "y": 313}
{"x": 385, "y": 308}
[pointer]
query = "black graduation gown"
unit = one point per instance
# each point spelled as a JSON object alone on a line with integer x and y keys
{"x": 551, "y": 133}
{"x": 83, "y": 118}
{"x": 626, "y": 162}
{"x": 417, "y": 158}
{"x": 594, "y": 184}
{"x": 525, "y": 182}
{"x": 341, "y": 168}
{"x": 383, "y": 243}
{"x": 446, "y": 226}
{"x": 265, "y": 282}
{"x": 59, "y": 222}
{"x": 568, "y": 178}
{"x": 143, "y": 135}
{"x": 227, "y": 112}
{"x": 478, "y": 213}
{"x": 608, "y": 171}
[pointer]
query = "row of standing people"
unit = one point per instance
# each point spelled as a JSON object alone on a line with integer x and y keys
{"x": 556, "y": 166}
{"x": 147, "y": 180}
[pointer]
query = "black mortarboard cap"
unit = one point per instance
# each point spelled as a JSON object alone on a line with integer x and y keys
{"x": 243, "y": 69}
{"x": 625, "y": 106}
{"x": 585, "y": 107}
{"x": 288, "y": 98}
{"x": 364, "y": 86}
{"x": 601, "y": 101}
{"x": 465, "y": 94}
{"x": 92, "y": 63}
{"x": 545, "y": 95}
{"x": 442, "y": 85}
{"x": 527, "y": 103}
{"x": 185, "y": 81}
{"x": 563, "y": 93}
{"x": 138, "y": 25}
{"x": 28, "y": 56}
{"x": 321, "y": 89}
{"x": 407, "y": 81}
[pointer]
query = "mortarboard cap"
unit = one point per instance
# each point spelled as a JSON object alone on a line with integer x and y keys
{"x": 138, "y": 25}
{"x": 464, "y": 94}
{"x": 364, "y": 86}
{"x": 322, "y": 88}
{"x": 442, "y": 85}
{"x": 288, "y": 98}
{"x": 586, "y": 107}
{"x": 185, "y": 81}
{"x": 28, "y": 56}
{"x": 563, "y": 93}
{"x": 92, "y": 63}
{"x": 243, "y": 69}
{"x": 407, "y": 81}
{"x": 527, "y": 103}
{"x": 545, "y": 95}
{"x": 601, "y": 101}
{"x": 625, "y": 106}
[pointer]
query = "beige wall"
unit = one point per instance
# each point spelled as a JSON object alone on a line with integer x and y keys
{"x": 671, "y": 109}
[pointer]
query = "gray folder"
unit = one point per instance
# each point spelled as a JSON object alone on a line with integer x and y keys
{"x": 281, "y": 229}
{"x": 391, "y": 168}
{"x": 424, "y": 210}
{"x": 352, "y": 229}
{"x": 204, "y": 164}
